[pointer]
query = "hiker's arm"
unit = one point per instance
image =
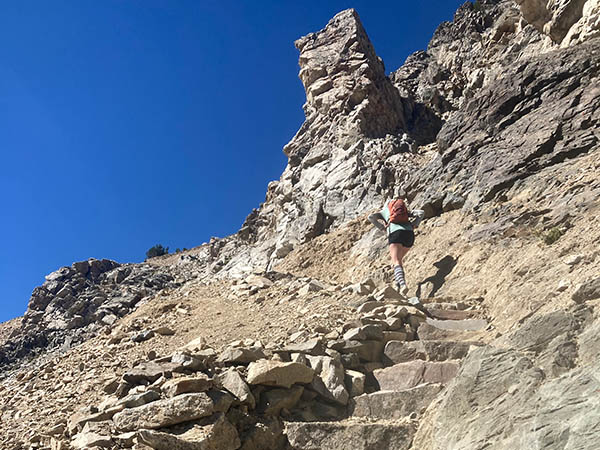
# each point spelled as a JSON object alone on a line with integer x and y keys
{"x": 418, "y": 215}
{"x": 375, "y": 220}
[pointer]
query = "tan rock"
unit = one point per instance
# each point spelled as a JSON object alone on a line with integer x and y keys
{"x": 329, "y": 378}
{"x": 214, "y": 433}
{"x": 197, "y": 383}
{"x": 355, "y": 382}
{"x": 233, "y": 382}
{"x": 277, "y": 373}
{"x": 164, "y": 413}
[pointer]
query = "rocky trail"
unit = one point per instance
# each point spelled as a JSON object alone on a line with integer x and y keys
{"x": 288, "y": 335}
{"x": 374, "y": 376}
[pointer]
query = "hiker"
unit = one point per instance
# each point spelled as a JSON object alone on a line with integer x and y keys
{"x": 400, "y": 231}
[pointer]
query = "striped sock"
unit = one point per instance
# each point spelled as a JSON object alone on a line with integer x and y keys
{"x": 399, "y": 276}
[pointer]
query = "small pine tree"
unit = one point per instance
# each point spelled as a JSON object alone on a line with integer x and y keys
{"x": 157, "y": 250}
{"x": 177, "y": 250}
{"x": 477, "y": 6}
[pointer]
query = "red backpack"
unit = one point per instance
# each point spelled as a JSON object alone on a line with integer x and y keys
{"x": 398, "y": 211}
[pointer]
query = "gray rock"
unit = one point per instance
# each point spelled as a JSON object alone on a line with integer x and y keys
{"x": 147, "y": 372}
{"x": 370, "y": 351}
{"x": 214, "y": 433}
{"x": 348, "y": 435}
{"x": 430, "y": 332}
{"x": 134, "y": 400}
{"x": 312, "y": 347}
{"x": 410, "y": 374}
{"x": 459, "y": 325}
{"x": 590, "y": 290}
{"x": 390, "y": 405}
{"x": 398, "y": 351}
{"x": 501, "y": 397}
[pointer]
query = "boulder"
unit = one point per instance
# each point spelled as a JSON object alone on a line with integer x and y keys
{"x": 240, "y": 355}
{"x": 311, "y": 347}
{"x": 278, "y": 373}
{"x": 183, "y": 385}
{"x": 233, "y": 382}
{"x": 164, "y": 413}
{"x": 147, "y": 372}
{"x": 329, "y": 378}
{"x": 214, "y": 433}
{"x": 133, "y": 400}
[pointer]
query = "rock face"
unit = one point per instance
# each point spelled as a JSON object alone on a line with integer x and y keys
{"x": 78, "y": 300}
{"x": 488, "y": 104}
{"x": 567, "y": 22}
{"x": 348, "y": 155}
{"x": 535, "y": 389}
{"x": 541, "y": 112}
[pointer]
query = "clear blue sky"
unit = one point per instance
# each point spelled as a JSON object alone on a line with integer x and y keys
{"x": 130, "y": 123}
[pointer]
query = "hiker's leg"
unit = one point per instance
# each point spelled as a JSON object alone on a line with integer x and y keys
{"x": 397, "y": 253}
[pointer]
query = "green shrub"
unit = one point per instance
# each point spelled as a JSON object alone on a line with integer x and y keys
{"x": 477, "y": 6}
{"x": 157, "y": 250}
{"x": 552, "y": 235}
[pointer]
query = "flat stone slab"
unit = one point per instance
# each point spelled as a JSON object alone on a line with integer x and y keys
{"x": 410, "y": 374}
{"x": 429, "y": 332}
{"x": 459, "y": 325}
{"x": 450, "y": 314}
{"x": 400, "y": 352}
{"x": 348, "y": 435}
{"x": 395, "y": 404}
{"x": 163, "y": 413}
{"x": 215, "y": 432}
{"x": 277, "y": 373}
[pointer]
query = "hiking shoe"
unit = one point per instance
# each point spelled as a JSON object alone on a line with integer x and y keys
{"x": 403, "y": 290}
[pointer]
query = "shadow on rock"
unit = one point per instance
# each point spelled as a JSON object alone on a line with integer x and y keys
{"x": 444, "y": 267}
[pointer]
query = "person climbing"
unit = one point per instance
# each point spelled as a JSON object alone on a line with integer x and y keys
{"x": 400, "y": 231}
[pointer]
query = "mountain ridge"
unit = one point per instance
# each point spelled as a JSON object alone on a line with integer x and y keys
{"x": 494, "y": 132}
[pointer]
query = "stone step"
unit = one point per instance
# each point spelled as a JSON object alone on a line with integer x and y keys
{"x": 451, "y": 314}
{"x": 414, "y": 373}
{"x": 401, "y": 351}
{"x": 394, "y": 404}
{"x": 459, "y": 325}
{"x": 349, "y": 434}
{"x": 432, "y": 332}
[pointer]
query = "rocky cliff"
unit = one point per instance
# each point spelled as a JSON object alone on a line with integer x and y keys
{"x": 286, "y": 335}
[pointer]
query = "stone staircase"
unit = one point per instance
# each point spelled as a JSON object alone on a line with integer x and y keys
{"x": 414, "y": 374}
{"x": 363, "y": 386}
